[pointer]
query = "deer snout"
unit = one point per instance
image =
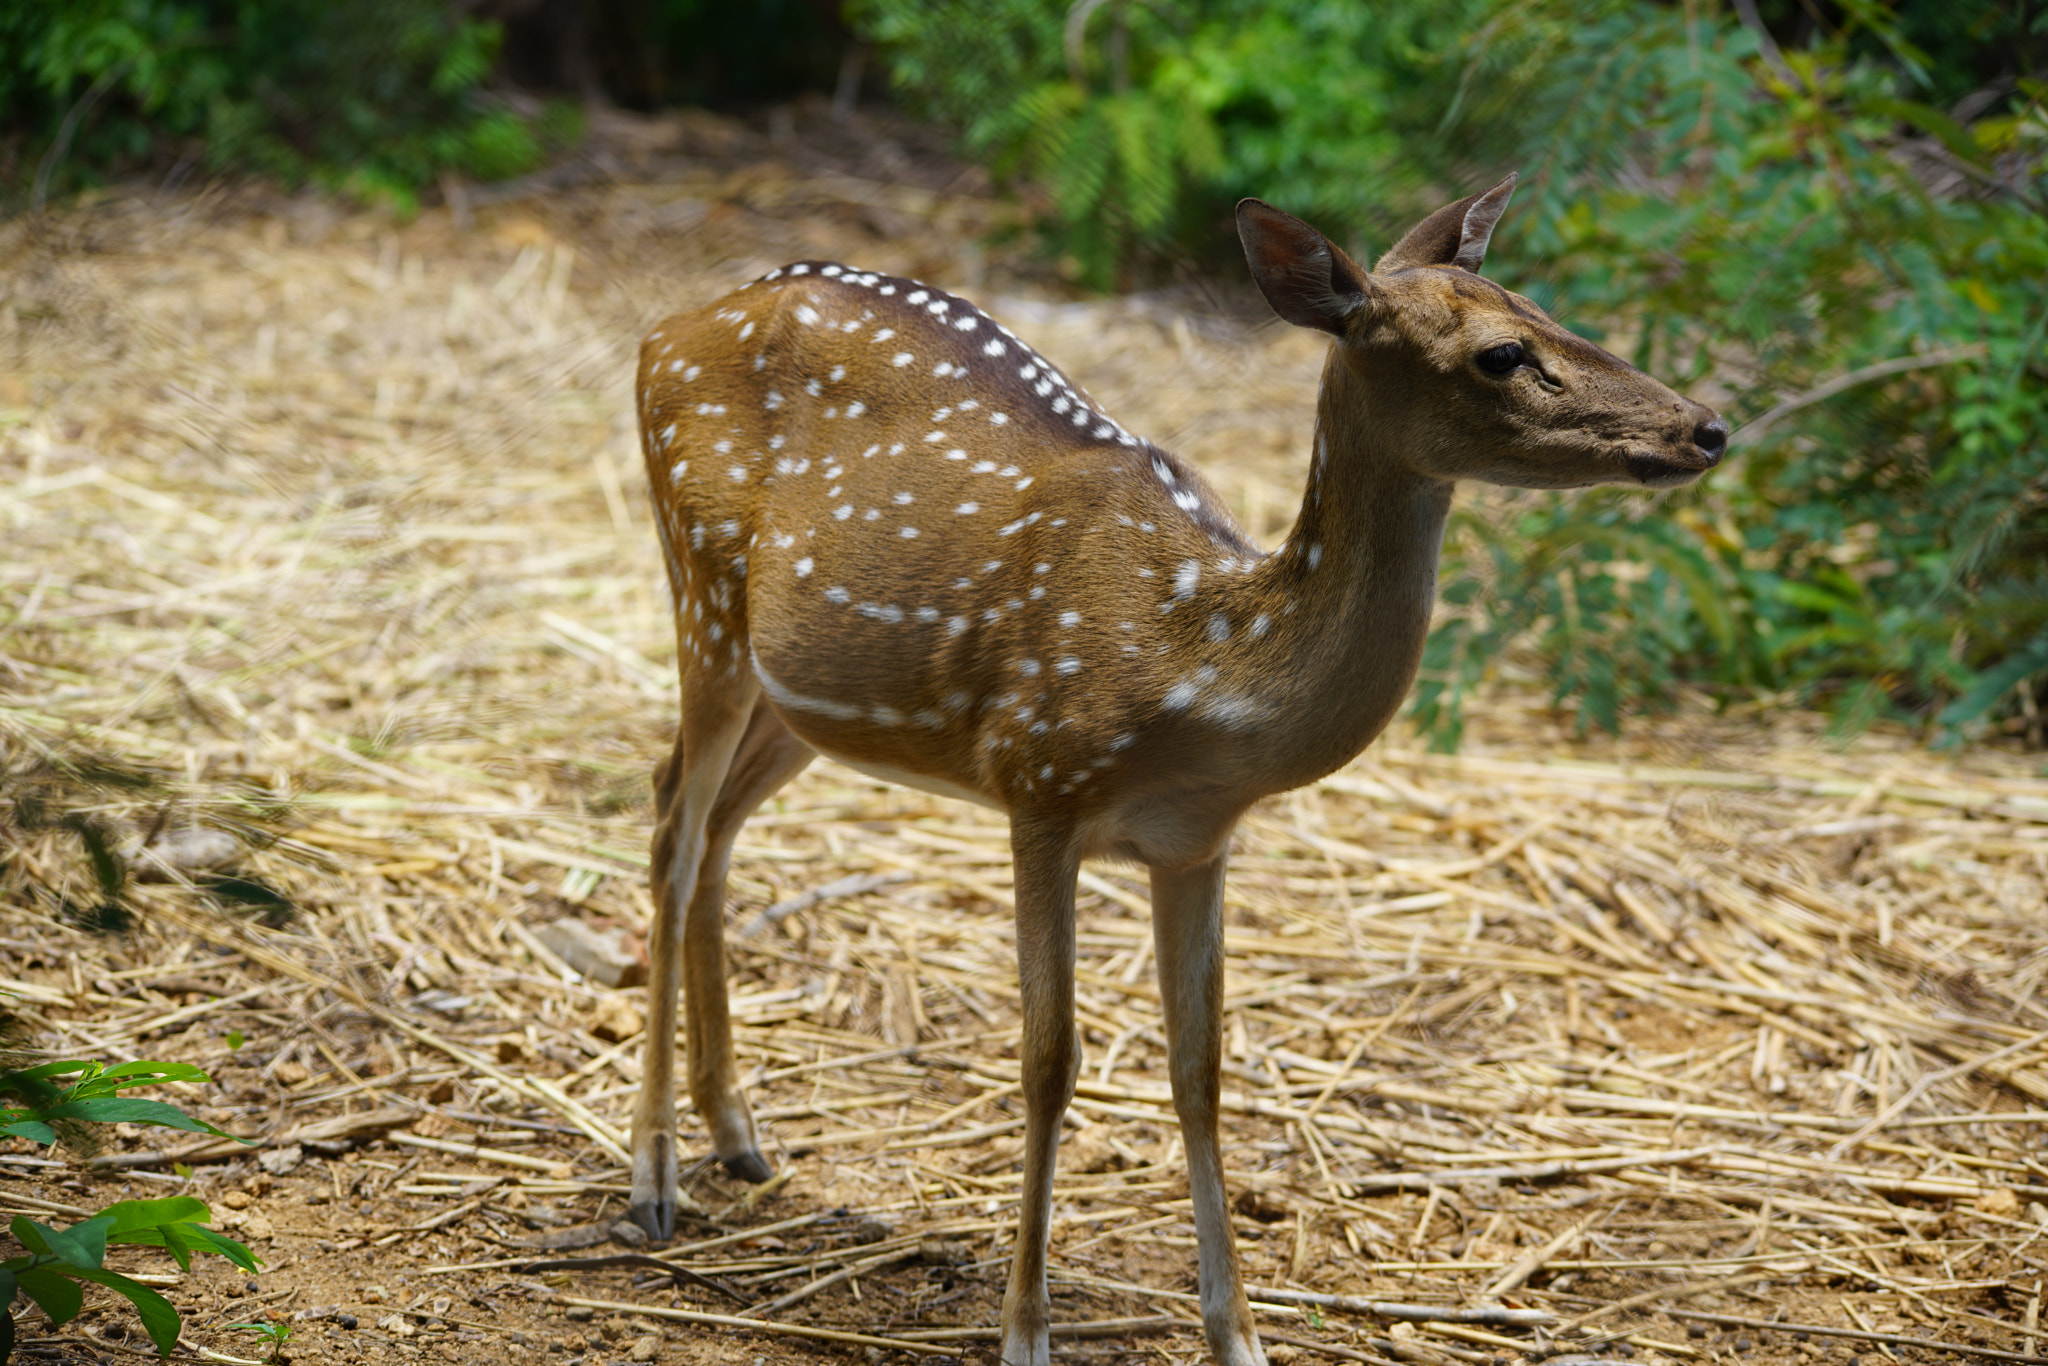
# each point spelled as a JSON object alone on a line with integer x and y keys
{"x": 1711, "y": 437}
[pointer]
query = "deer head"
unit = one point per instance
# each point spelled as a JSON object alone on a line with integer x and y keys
{"x": 1513, "y": 398}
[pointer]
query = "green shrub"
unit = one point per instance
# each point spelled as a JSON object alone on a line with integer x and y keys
{"x": 1832, "y": 246}
{"x": 374, "y": 98}
{"x": 1734, "y": 217}
{"x": 57, "y": 1262}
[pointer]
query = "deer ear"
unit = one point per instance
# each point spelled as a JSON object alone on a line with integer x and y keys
{"x": 1455, "y": 235}
{"x": 1307, "y": 279}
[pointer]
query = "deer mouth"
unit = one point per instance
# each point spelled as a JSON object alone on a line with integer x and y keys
{"x": 1663, "y": 472}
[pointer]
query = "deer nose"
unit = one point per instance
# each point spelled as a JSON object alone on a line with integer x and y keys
{"x": 1712, "y": 439}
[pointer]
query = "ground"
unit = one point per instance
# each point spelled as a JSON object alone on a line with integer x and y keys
{"x": 327, "y": 533}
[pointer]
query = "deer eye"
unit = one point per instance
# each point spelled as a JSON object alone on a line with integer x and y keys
{"x": 1501, "y": 360}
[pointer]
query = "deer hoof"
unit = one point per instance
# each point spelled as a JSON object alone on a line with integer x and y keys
{"x": 655, "y": 1214}
{"x": 748, "y": 1166}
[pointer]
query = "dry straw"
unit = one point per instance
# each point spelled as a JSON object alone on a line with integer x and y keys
{"x": 330, "y": 536}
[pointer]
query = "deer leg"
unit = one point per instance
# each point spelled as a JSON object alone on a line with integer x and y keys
{"x": 768, "y": 757}
{"x": 1187, "y": 931}
{"x": 687, "y": 788}
{"x": 1046, "y": 865}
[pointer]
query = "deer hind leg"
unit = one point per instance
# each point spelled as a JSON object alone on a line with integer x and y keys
{"x": 1046, "y": 866}
{"x": 690, "y": 787}
{"x": 1187, "y": 930}
{"x": 768, "y": 757}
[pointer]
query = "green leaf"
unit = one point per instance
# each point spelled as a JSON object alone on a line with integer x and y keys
{"x": 131, "y": 1110}
{"x": 144, "y": 1073}
{"x": 125, "y": 1216}
{"x": 32, "y": 1129}
{"x": 204, "y": 1239}
{"x": 1994, "y": 683}
{"x": 84, "y": 1244}
{"x": 181, "y": 1240}
{"x": 1953, "y": 135}
{"x": 45, "y": 1071}
{"x": 31, "y": 1235}
{"x": 56, "y": 1295}
{"x": 159, "y": 1319}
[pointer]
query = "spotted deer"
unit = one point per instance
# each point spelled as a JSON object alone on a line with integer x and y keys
{"x": 900, "y": 537}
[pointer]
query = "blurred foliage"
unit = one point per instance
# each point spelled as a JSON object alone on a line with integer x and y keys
{"x": 373, "y": 98}
{"x": 655, "y": 54}
{"x": 1837, "y": 212}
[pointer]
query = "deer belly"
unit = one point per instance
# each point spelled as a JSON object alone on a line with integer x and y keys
{"x": 888, "y": 773}
{"x": 827, "y": 724}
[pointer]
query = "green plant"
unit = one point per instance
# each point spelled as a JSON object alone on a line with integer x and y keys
{"x": 276, "y": 1336}
{"x": 95, "y": 1097}
{"x": 1867, "y": 276}
{"x": 1837, "y": 228}
{"x": 374, "y": 99}
{"x": 1142, "y": 122}
{"x": 57, "y": 1261}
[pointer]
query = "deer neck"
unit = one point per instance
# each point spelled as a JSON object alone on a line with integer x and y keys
{"x": 1351, "y": 590}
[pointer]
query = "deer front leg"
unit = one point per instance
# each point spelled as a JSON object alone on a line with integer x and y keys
{"x": 688, "y": 787}
{"x": 1187, "y": 932}
{"x": 1046, "y": 866}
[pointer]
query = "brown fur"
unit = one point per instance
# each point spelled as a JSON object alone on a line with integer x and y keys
{"x": 925, "y": 553}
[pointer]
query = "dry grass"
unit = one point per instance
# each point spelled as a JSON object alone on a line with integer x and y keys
{"x": 331, "y": 536}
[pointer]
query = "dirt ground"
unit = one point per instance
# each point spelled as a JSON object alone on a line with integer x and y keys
{"x": 326, "y": 533}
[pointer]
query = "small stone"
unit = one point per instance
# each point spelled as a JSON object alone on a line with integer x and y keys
{"x": 398, "y": 1325}
{"x": 1695, "y": 1330}
{"x": 1999, "y": 1202}
{"x": 281, "y": 1161}
{"x": 944, "y": 1252}
{"x": 629, "y": 1234}
{"x": 615, "y": 1020}
{"x": 644, "y": 1349}
{"x": 579, "y": 1313}
{"x": 235, "y": 1199}
{"x": 185, "y": 851}
{"x": 605, "y": 956}
{"x": 1744, "y": 1344}
{"x": 345, "y": 1320}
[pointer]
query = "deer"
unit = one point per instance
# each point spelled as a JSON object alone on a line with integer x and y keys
{"x": 898, "y": 536}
